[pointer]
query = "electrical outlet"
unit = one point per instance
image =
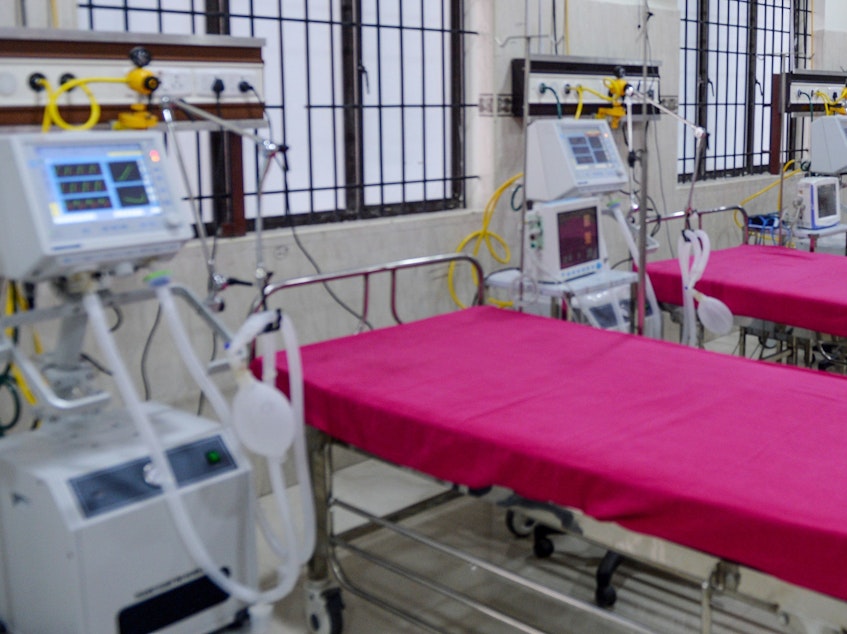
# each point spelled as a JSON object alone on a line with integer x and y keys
{"x": 803, "y": 93}
{"x": 174, "y": 82}
{"x": 231, "y": 78}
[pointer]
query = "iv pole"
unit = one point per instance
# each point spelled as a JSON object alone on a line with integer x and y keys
{"x": 641, "y": 297}
{"x": 700, "y": 137}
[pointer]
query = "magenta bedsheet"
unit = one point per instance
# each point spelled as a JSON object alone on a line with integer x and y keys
{"x": 786, "y": 286}
{"x": 737, "y": 458}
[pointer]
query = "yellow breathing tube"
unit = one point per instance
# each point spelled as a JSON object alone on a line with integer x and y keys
{"x": 484, "y": 235}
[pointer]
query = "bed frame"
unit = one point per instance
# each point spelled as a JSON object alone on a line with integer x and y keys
{"x": 619, "y": 523}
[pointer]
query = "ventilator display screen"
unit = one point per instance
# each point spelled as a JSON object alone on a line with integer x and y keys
{"x": 109, "y": 180}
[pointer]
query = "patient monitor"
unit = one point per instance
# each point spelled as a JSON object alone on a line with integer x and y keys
{"x": 74, "y": 202}
{"x": 564, "y": 239}
{"x": 819, "y": 202}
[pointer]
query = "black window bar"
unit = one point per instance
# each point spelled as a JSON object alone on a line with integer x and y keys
{"x": 368, "y": 95}
{"x": 730, "y": 52}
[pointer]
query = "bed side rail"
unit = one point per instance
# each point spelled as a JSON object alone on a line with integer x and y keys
{"x": 391, "y": 268}
{"x": 700, "y": 213}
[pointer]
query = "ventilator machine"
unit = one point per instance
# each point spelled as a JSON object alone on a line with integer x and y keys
{"x": 119, "y": 514}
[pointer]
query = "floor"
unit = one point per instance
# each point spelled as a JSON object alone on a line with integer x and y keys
{"x": 659, "y": 602}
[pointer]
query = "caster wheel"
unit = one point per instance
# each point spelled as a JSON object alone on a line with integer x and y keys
{"x": 605, "y": 597}
{"x": 542, "y": 545}
{"x": 241, "y": 619}
{"x": 519, "y": 524}
{"x": 325, "y": 612}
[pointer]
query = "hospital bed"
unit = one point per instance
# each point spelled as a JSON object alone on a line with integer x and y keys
{"x": 778, "y": 284}
{"x": 648, "y": 438}
{"x": 787, "y": 289}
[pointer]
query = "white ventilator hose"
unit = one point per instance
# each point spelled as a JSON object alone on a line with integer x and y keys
{"x": 192, "y": 363}
{"x": 694, "y": 249}
{"x": 254, "y": 328}
{"x": 216, "y": 398}
{"x": 185, "y": 527}
{"x": 301, "y": 458}
{"x": 689, "y": 316}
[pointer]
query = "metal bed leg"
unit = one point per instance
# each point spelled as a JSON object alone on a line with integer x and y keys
{"x": 324, "y": 605}
{"x": 706, "y": 607}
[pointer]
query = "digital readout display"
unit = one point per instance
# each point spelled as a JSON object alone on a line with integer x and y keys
{"x": 120, "y": 185}
{"x": 77, "y": 169}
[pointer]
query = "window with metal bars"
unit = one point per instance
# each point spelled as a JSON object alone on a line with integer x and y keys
{"x": 730, "y": 51}
{"x": 366, "y": 94}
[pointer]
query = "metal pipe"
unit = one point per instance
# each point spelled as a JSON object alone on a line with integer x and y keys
{"x": 498, "y": 571}
{"x": 644, "y": 199}
{"x": 381, "y": 268}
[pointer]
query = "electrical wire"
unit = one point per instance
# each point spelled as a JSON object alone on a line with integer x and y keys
{"x": 483, "y": 235}
{"x": 308, "y": 255}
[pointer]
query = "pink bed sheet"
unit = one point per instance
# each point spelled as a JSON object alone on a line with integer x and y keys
{"x": 737, "y": 458}
{"x": 786, "y": 286}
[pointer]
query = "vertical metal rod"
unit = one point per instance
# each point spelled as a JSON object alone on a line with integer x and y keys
{"x": 381, "y": 118}
{"x": 22, "y": 13}
{"x": 353, "y": 114}
{"x": 424, "y": 140}
{"x": 750, "y": 123}
{"x": 333, "y": 61}
{"x": 643, "y": 201}
{"x": 526, "y": 69}
{"x": 307, "y": 28}
{"x": 457, "y": 105}
{"x": 321, "y": 468}
{"x": 706, "y": 607}
{"x": 782, "y": 156}
{"x": 402, "y": 32}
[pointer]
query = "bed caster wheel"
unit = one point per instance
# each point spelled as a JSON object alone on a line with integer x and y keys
{"x": 542, "y": 546}
{"x": 324, "y": 610}
{"x": 519, "y": 524}
{"x": 239, "y": 621}
{"x": 605, "y": 594}
{"x": 605, "y": 597}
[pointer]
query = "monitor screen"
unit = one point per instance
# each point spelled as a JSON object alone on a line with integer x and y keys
{"x": 564, "y": 239}
{"x": 828, "y": 201}
{"x": 87, "y": 201}
{"x": 98, "y": 183}
{"x": 588, "y": 148}
{"x": 570, "y": 158}
{"x": 578, "y": 237}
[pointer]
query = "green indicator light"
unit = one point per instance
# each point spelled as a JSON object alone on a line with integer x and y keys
{"x": 213, "y": 457}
